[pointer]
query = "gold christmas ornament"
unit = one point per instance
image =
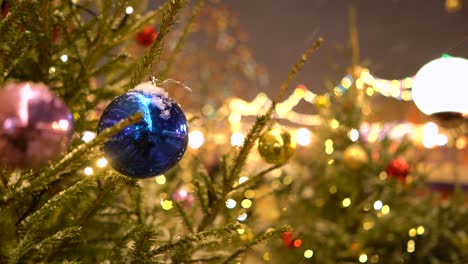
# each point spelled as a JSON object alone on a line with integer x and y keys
{"x": 322, "y": 102}
{"x": 355, "y": 157}
{"x": 276, "y": 146}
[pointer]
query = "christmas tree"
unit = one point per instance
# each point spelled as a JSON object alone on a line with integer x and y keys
{"x": 134, "y": 193}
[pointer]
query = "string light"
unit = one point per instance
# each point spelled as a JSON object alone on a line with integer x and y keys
{"x": 354, "y": 135}
{"x": 166, "y": 204}
{"x": 88, "y": 136}
{"x": 64, "y": 58}
{"x": 101, "y": 163}
{"x": 246, "y": 203}
{"x": 412, "y": 232}
{"x": 88, "y": 171}
{"x": 230, "y": 203}
{"x": 129, "y": 10}
{"x": 346, "y": 202}
{"x": 308, "y": 253}
{"x": 243, "y": 179}
{"x": 249, "y": 194}
{"x": 378, "y": 205}
{"x": 196, "y": 139}
{"x": 242, "y": 217}
{"x": 363, "y": 258}
{"x": 385, "y": 209}
{"x": 411, "y": 246}
{"x": 161, "y": 179}
{"x": 303, "y": 137}
{"x": 420, "y": 230}
{"x": 237, "y": 139}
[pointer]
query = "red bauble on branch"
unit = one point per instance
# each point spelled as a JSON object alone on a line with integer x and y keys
{"x": 399, "y": 168}
{"x": 289, "y": 241}
{"x": 146, "y": 37}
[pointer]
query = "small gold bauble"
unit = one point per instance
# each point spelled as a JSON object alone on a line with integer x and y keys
{"x": 355, "y": 157}
{"x": 276, "y": 146}
{"x": 322, "y": 102}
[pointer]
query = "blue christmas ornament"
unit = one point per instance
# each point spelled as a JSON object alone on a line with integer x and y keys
{"x": 153, "y": 145}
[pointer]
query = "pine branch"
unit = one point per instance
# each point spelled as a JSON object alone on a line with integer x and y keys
{"x": 53, "y": 173}
{"x": 53, "y": 243}
{"x": 241, "y": 157}
{"x": 293, "y": 73}
{"x": 253, "y": 181}
{"x": 186, "y": 220}
{"x": 195, "y": 238}
{"x": 172, "y": 58}
{"x": 146, "y": 62}
{"x": 38, "y": 220}
{"x": 255, "y": 241}
{"x": 141, "y": 248}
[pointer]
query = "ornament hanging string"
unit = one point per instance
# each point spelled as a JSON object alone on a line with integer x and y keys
{"x": 156, "y": 82}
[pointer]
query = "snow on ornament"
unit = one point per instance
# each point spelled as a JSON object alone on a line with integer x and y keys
{"x": 153, "y": 145}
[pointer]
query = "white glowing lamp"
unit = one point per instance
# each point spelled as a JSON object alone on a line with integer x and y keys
{"x": 441, "y": 86}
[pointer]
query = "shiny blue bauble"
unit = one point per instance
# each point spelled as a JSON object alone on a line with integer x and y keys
{"x": 153, "y": 145}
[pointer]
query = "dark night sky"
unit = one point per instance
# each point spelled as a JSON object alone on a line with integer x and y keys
{"x": 396, "y": 36}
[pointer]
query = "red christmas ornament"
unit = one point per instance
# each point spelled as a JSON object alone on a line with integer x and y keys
{"x": 399, "y": 168}
{"x": 288, "y": 240}
{"x": 146, "y": 37}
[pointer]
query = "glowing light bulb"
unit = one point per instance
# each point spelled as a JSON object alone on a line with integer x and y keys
{"x": 354, "y": 135}
{"x": 303, "y": 137}
{"x": 237, "y": 139}
{"x": 129, "y": 10}
{"x": 101, "y": 163}
{"x": 196, "y": 139}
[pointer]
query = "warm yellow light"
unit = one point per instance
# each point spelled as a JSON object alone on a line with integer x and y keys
{"x": 329, "y": 150}
{"x": 308, "y": 253}
{"x": 246, "y": 203}
{"x": 303, "y": 137}
{"x": 161, "y": 179}
{"x": 243, "y": 179}
{"x": 406, "y": 95}
{"x": 363, "y": 258}
{"x": 411, "y": 246}
{"x": 128, "y": 10}
{"x": 334, "y": 124}
{"x": 267, "y": 256}
{"x": 430, "y": 135}
{"x": 166, "y": 204}
{"x": 370, "y": 91}
{"x": 237, "y": 139}
{"x": 249, "y": 194}
{"x": 461, "y": 143}
{"x": 299, "y": 92}
{"x": 196, "y": 139}
{"x": 88, "y": 136}
{"x": 234, "y": 118}
{"x": 346, "y": 202}
{"x": 368, "y": 225}
{"x": 240, "y": 231}
{"x": 328, "y": 143}
{"x": 88, "y": 171}
{"x": 385, "y": 209}
{"x": 412, "y": 232}
{"x": 101, "y": 163}
{"x": 420, "y": 230}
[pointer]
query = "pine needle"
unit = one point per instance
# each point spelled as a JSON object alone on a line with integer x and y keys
{"x": 146, "y": 62}
{"x": 172, "y": 58}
